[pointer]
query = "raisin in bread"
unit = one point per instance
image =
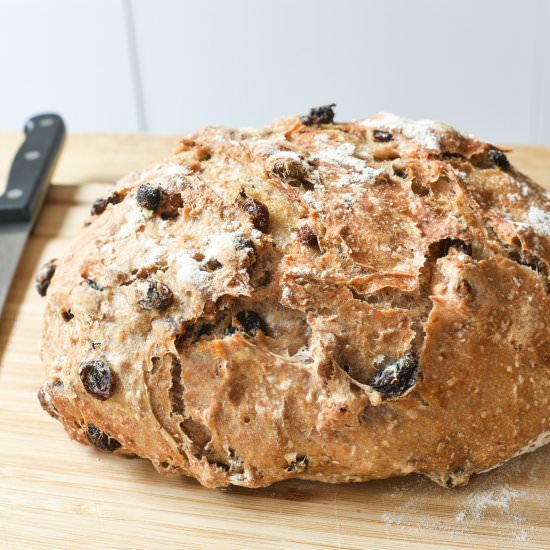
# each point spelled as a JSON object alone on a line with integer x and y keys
{"x": 317, "y": 300}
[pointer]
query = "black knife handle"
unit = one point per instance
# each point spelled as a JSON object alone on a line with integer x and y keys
{"x": 30, "y": 172}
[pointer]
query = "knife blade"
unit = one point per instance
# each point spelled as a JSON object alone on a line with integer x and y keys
{"x": 27, "y": 185}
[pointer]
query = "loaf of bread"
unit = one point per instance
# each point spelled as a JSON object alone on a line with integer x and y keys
{"x": 317, "y": 300}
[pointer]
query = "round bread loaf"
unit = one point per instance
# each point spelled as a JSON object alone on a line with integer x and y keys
{"x": 317, "y": 300}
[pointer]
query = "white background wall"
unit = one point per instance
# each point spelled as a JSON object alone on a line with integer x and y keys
{"x": 171, "y": 66}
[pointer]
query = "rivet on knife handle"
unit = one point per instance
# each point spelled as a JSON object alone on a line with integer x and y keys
{"x": 30, "y": 172}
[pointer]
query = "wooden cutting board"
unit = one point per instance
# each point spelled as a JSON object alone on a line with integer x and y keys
{"x": 55, "y": 493}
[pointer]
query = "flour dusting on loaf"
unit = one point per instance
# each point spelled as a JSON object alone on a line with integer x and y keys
{"x": 312, "y": 299}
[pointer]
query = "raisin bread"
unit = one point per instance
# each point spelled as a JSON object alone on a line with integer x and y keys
{"x": 317, "y": 300}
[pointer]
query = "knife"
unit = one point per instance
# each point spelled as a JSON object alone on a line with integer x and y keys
{"x": 28, "y": 183}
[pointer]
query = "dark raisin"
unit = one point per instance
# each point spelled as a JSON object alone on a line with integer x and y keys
{"x": 67, "y": 315}
{"x": 211, "y": 265}
{"x": 242, "y": 243}
{"x": 93, "y": 284}
{"x": 499, "y": 159}
{"x": 450, "y": 482}
{"x": 299, "y": 464}
{"x": 382, "y": 136}
{"x": 419, "y": 189}
{"x": 101, "y": 440}
{"x": 456, "y": 477}
{"x": 307, "y": 236}
{"x": 250, "y": 322}
{"x": 156, "y": 295}
{"x": 44, "y": 276}
{"x": 320, "y": 115}
{"x": 97, "y": 378}
{"x": 205, "y": 329}
{"x": 400, "y": 173}
{"x": 175, "y": 200}
{"x": 148, "y": 196}
{"x": 258, "y": 213}
{"x": 395, "y": 377}
{"x": 99, "y": 205}
{"x": 115, "y": 197}
{"x": 168, "y": 215}
{"x": 293, "y": 183}
{"x": 448, "y": 243}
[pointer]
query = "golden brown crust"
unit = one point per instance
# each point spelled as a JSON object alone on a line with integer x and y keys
{"x": 338, "y": 302}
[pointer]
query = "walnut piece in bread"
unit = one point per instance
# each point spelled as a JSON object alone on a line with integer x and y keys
{"x": 316, "y": 300}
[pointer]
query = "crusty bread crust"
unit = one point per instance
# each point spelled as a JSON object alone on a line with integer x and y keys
{"x": 314, "y": 300}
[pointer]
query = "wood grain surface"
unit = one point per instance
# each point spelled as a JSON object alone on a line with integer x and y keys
{"x": 55, "y": 493}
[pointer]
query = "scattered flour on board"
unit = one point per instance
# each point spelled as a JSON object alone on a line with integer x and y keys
{"x": 499, "y": 499}
{"x": 392, "y": 519}
{"x": 491, "y": 506}
{"x": 491, "y": 502}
